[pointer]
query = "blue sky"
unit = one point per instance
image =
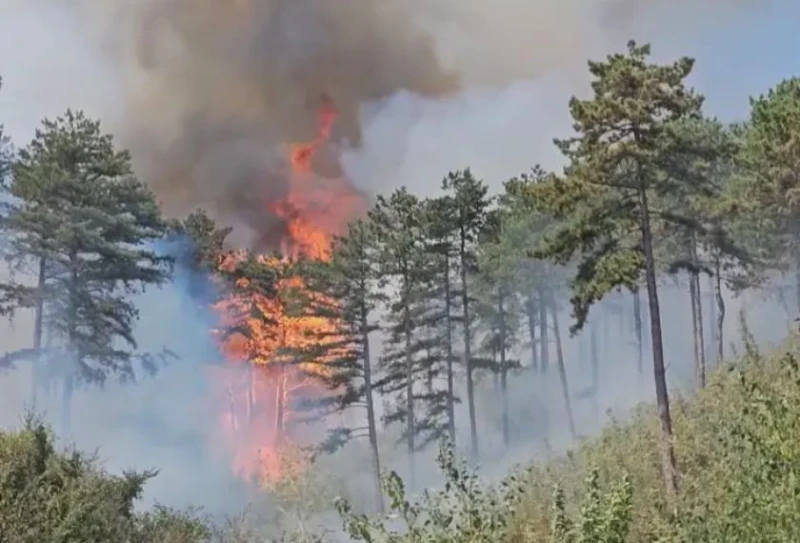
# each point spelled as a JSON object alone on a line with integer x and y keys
{"x": 746, "y": 56}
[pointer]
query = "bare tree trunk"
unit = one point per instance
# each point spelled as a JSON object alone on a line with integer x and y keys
{"x": 606, "y": 322}
{"x": 504, "y": 370}
{"x": 530, "y": 310}
{"x": 251, "y": 393}
{"x": 410, "y": 423}
{"x": 451, "y": 411}
{"x": 699, "y": 373}
{"x": 797, "y": 288}
{"x": 712, "y": 319}
{"x": 38, "y": 329}
{"x": 669, "y": 464}
{"x": 371, "y": 424}
{"x": 562, "y": 373}
{"x": 280, "y": 408}
{"x": 595, "y": 369}
{"x": 637, "y": 324}
{"x": 720, "y": 312}
{"x": 473, "y": 423}
{"x": 697, "y": 315}
{"x": 67, "y": 393}
{"x": 496, "y": 370}
{"x": 73, "y": 363}
{"x": 544, "y": 340}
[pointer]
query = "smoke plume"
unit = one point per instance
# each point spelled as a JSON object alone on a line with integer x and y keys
{"x": 211, "y": 89}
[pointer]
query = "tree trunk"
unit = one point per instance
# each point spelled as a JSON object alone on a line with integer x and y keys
{"x": 562, "y": 372}
{"x": 695, "y": 334}
{"x": 797, "y": 287}
{"x": 504, "y": 370}
{"x": 371, "y": 424}
{"x": 38, "y": 332}
{"x": 496, "y": 370}
{"x": 668, "y": 461}
{"x": 712, "y": 319}
{"x": 606, "y": 322}
{"x": 73, "y": 362}
{"x": 595, "y": 369}
{"x": 451, "y": 411}
{"x": 637, "y": 324}
{"x": 697, "y": 316}
{"x": 720, "y": 312}
{"x": 698, "y": 372}
{"x": 280, "y": 407}
{"x": 530, "y": 310}
{"x": 473, "y": 423}
{"x": 431, "y": 371}
{"x": 66, "y": 407}
{"x": 409, "y": 397}
{"x": 544, "y": 340}
{"x": 251, "y": 394}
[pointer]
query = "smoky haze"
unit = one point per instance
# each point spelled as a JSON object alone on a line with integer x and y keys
{"x": 207, "y": 91}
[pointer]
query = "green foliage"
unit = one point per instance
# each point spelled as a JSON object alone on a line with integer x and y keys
{"x": 466, "y": 510}
{"x": 79, "y": 212}
{"x": 770, "y": 160}
{"x": 404, "y": 264}
{"x": 616, "y": 158}
{"x": 208, "y": 239}
{"x": 48, "y": 495}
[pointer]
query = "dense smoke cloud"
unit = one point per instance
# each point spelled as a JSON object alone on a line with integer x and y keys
{"x": 210, "y": 89}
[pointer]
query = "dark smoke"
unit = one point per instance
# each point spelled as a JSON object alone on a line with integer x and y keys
{"x": 239, "y": 78}
{"x": 214, "y": 87}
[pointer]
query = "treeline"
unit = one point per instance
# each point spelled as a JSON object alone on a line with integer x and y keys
{"x": 457, "y": 284}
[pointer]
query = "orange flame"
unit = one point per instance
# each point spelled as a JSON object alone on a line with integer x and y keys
{"x": 259, "y": 381}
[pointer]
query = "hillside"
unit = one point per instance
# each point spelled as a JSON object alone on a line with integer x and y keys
{"x": 739, "y": 465}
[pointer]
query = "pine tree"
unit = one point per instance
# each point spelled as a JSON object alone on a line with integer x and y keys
{"x": 471, "y": 204}
{"x": 538, "y": 283}
{"x": 83, "y": 220}
{"x": 440, "y": 232}
{"x": 349, "y": 282}
{"x": 701, "y": 161}
{"x": 404, "y": 265}
{"x": 614, "y": 174}
{"x": 771, "y": 156}
{"x": 199, "y": 246}
{"x": 497, "y": 306}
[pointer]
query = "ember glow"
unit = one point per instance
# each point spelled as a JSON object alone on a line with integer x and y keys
{"x": 260, "y": 380}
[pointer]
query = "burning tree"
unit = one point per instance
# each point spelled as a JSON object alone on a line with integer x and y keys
{"x": 281, "y": 353}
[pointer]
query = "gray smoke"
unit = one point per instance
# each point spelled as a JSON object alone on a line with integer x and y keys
{"x": 206, "y": 91}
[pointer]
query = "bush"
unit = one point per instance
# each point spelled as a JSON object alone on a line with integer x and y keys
{"x": 465, "y": 511}
{"x": 47, "y": 495}
{"x": 739, "y": 459}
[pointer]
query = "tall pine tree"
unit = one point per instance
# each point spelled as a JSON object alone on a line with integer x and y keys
{"x": 471, "y": 205}
{"x": 613, "y": 176}
{"x": 404, "y": 266}
{"x": 82, "y": 220}
{"x": 345, "y": 290}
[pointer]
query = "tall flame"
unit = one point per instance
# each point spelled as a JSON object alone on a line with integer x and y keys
{"x": 260, "y": 380}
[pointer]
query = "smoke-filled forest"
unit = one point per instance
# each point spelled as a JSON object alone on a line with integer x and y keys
{"x": 603, "y": 352}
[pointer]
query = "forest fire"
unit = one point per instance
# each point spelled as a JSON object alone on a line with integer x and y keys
{"x": 262, "y": 378}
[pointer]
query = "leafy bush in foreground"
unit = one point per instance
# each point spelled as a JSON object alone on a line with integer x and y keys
{"x": 740, "y": 482}
{"x": 467, "y": 511}
{"x": 52, "y": 496}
